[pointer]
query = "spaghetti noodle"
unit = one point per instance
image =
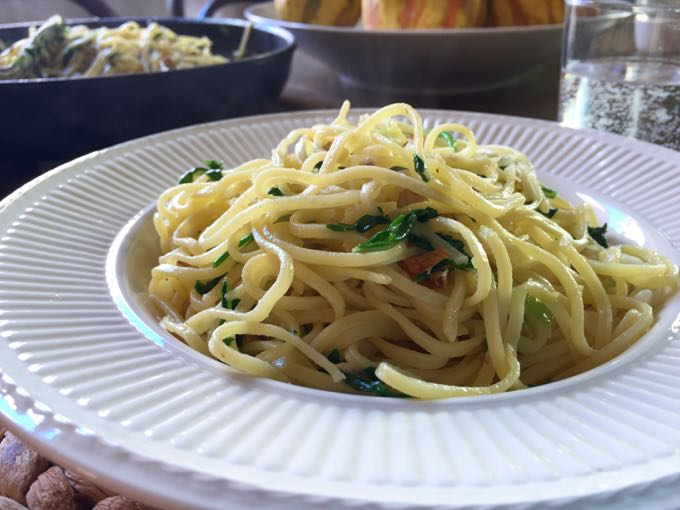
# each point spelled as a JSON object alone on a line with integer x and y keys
{"x": 386, "y": 259}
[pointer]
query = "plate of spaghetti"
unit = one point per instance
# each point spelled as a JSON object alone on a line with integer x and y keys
{"x": 366, "y": 309}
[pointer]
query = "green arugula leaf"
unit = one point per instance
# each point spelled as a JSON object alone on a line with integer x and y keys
{"x": 228, "y": 341}
{"x": 246, "y": 240}
{"x": 425, "y": 214}
{"x": 598, "y": 235}
{"x": 549, "y": 193}
{"x": 334, "y": 356}
{"x": 221, "y": 259}
{"x": 213, "y": 172}
{"x": 225, "y": 291}
{"x": 368, "y": 221}
{"x": 421, "y": 242}
{"x": 419, "y": 165}
{"x": 450, "y": 140}
{"x": 275, "y": 192}
{"x": 226, "y": 303}
{"x": 397, "y": 230}
{"x": 214, "y": 164}
{"x": 340, "y": 227}
{"x": 205, "y": 287}
{"x": 538, "y": 310}
{"x": 551, "y": 212}
{"x": 363, "y": 224}
{"x": 192, "y": 175}
{"x": 214, "y": 175}
{"x": 464, "y": 262}
{"x": 367, "y": 382}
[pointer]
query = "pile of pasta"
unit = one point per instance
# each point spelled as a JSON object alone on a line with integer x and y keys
{"x": 385, "y": 259}
{"x": 57, "y": 50}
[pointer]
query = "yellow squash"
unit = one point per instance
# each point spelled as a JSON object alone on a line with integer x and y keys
{"x": 395, "y": 14}
{"x": 320, "y": 12}
{"x": 503, "y": 13}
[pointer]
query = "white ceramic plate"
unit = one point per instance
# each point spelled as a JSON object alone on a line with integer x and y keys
{"x": 92, "y": 385}
{"x": 423, "y": 61}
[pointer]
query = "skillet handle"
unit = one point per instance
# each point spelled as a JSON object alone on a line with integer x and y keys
{"x": 211, "y": 6}
{"x": 97, "y": 8}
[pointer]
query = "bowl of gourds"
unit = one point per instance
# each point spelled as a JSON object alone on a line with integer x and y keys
{"x": 423, "y": 46}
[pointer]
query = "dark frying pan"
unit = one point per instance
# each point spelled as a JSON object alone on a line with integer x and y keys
{"x": 57, "y": 119}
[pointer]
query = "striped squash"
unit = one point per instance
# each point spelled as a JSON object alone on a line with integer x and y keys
{"x": 395, "y": 14}
{"x": 320, "y": 12}
{"x": 503, "y": 13}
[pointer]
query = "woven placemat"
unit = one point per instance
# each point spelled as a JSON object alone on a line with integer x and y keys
{"x": 28, "y": 480}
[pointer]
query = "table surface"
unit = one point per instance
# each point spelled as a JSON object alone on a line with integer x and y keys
{"x": 312, "y": 85}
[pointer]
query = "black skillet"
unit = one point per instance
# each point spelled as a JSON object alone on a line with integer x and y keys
{"x": 57, "y": 119}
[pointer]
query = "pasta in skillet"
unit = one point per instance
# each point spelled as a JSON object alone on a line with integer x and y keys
{"x": 56, "y": 50}
{"x": 385, "y": 259}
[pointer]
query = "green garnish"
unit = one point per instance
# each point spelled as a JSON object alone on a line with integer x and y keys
{"x": 221, "y": 259}
{"x": 464, "y": 261}
{"x": 225, "y": 302}
{"x": 225, "y": 291}
{"x": 205, "y": 287}
{"x": 551, "y": 212}
{"x": 191, "y": 175}
{"x": 598, "y": 235}
{"x": 230, "y": 340}
{"x": 397, "y": 230}
{"x": 425, "y": 214}
{"x": 334, "y": 356}
{"x": 450, "y": 140}
{"x": 367, "y": 382}
{"x": 398, "y": 168}
{"x": 341, "y": 227}
{"x": 538, "y": 310}
{"x": 214, "y": 164}
{"x": 216, "y": 167}
{"x": 441, "y": 265}
{"x": 419, "y": 165}
{"x": 363, "y": 224}
{"x": 275, "y": 192}
{"x": 246, "y": 240}
{"x": 318, "y": 165}
{"x": 214, "y": 175}
{"x": 213, "y": 172}
{"x": 420, "y": 242}
{"x": 421, "y": 277}
{"x": 549, "y": 193}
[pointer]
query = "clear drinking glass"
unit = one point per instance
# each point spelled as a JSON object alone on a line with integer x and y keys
{"x": 621, "y": 68}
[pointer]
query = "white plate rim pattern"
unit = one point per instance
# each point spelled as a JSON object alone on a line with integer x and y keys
{"x": 171, "y": 480}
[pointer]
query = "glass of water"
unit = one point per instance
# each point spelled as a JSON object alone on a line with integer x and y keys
{"x": 621, "y": 68}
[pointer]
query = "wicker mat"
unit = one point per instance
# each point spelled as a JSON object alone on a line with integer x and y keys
{"x": 28, "y": 480}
